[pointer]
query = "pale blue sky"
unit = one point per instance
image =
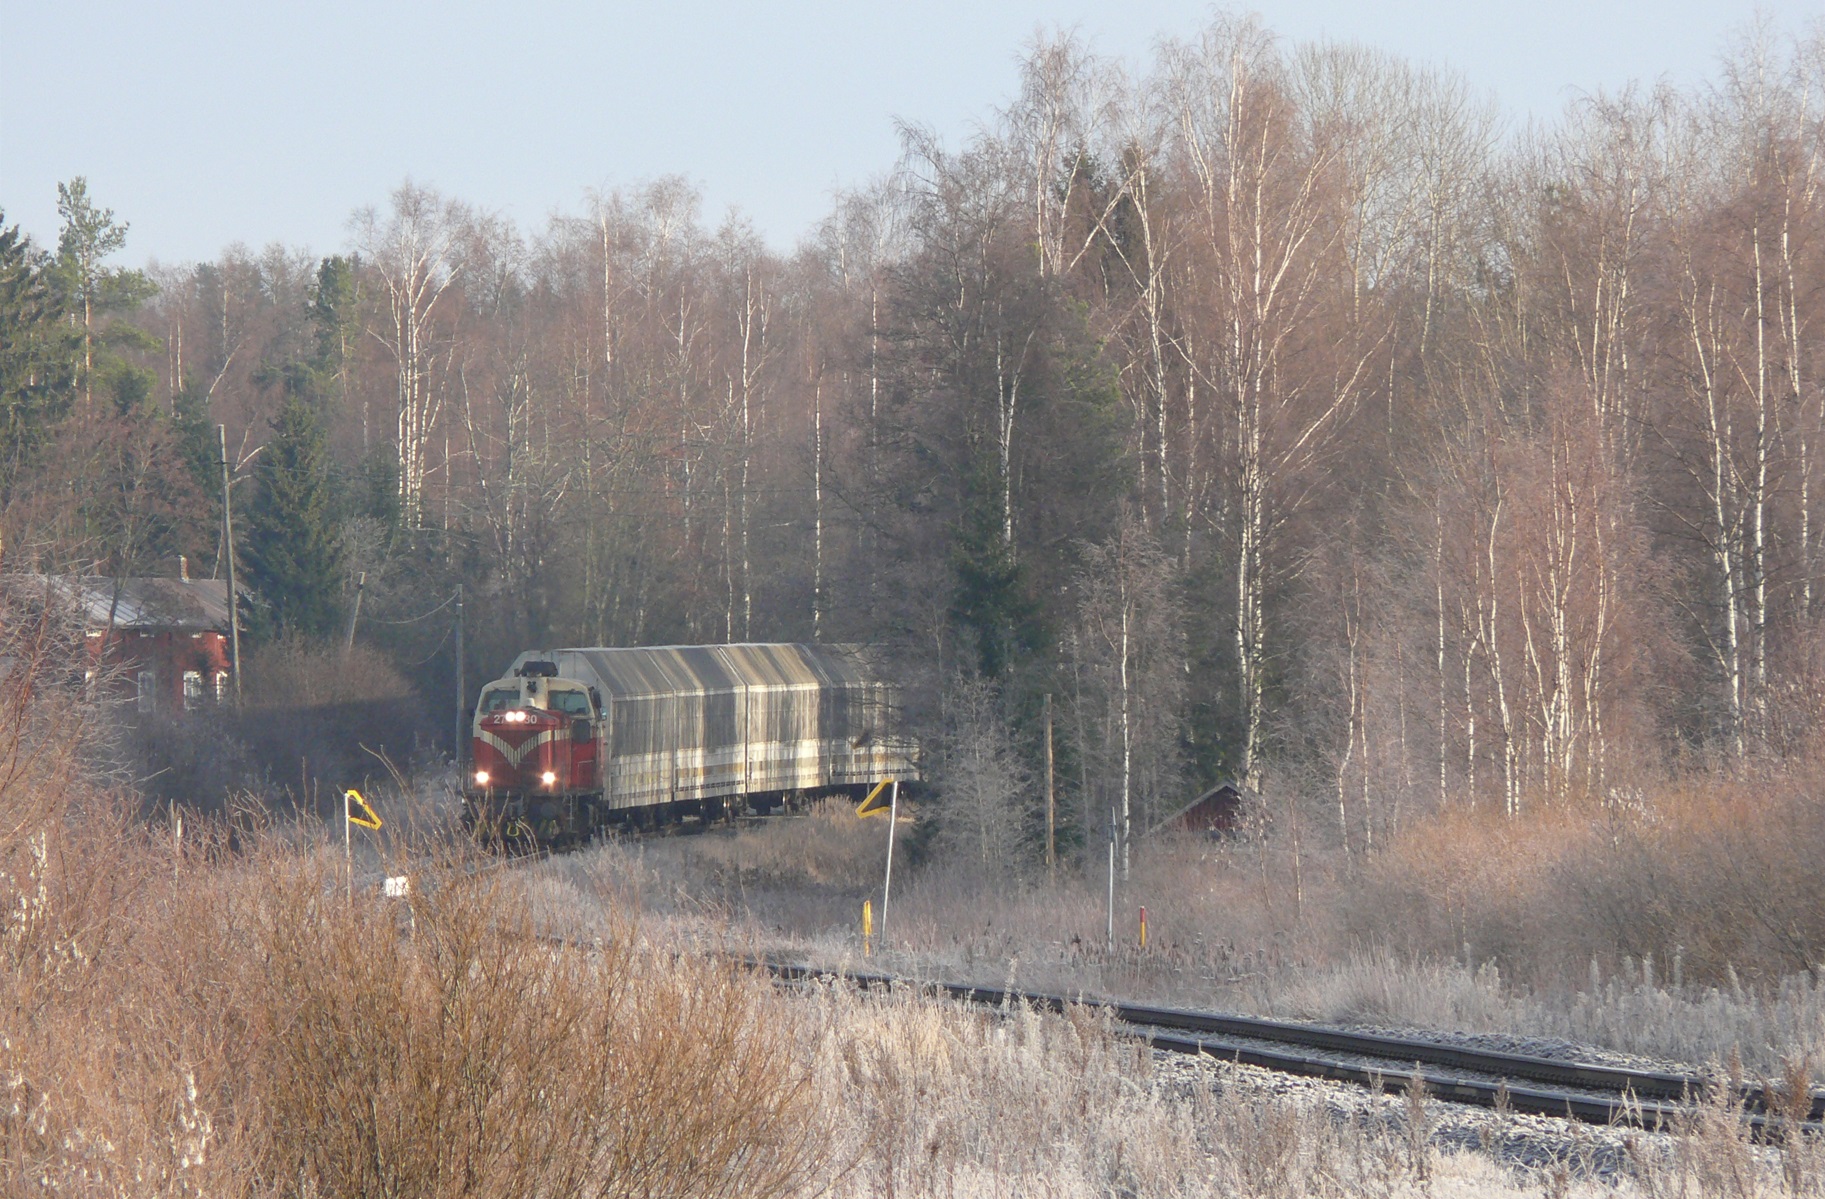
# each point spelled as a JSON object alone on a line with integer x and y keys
{"x": 206, "y": 123}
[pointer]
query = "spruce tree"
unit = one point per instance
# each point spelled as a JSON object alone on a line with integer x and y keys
{"x": 291, "y": 553}
{"x": 38, "y": 353}
{"x": 334, "y": 315}
{"x": 991, "y": 601}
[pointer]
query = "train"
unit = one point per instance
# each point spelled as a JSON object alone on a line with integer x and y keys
{"x": 572, "y": 743}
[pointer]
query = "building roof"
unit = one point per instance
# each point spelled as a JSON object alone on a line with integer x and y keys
{"x": 144, "y": 605}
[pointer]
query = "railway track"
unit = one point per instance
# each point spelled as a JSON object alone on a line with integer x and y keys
{"x": 1581, "y": 1091}
{"x": 1520, "y": 1083}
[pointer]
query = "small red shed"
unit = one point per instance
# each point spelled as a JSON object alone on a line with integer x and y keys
{"x": 1216, "y": 812}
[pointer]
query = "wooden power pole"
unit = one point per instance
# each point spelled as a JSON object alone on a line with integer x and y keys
{"x": 1051, "y": 802}
{"x": 234, "y": 598}
{"x": 461, "y": 685}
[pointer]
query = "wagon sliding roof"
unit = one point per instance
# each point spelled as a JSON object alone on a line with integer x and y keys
{"x": 627, "y": 673}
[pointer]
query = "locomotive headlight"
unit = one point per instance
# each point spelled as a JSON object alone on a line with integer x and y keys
{"x": 549, "y": 777}
{"x": 514, "y": 717}
{"x": 481, "y": 778}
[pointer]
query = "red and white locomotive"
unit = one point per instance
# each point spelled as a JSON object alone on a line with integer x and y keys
{"x": 572, "y": 741}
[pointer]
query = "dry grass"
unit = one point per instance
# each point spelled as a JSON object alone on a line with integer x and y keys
{"x": 1721, "y": 875}
{"x": 939, "y": 1102}
{"x": 828, "y": 850}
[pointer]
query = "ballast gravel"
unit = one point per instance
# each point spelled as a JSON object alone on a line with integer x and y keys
{"x": 1529, "y": 1144}
{"x": 1550, "y": 1048}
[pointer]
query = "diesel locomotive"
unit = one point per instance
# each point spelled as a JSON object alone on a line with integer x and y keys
{"x": 571, "y": 742}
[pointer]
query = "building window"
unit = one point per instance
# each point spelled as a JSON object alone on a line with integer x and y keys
{"x": 221, "y": 686}
{"x": 148, "y": 690}
{"x": 193, "y": 690}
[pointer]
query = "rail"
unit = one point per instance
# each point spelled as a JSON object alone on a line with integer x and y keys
{"x": 1521, "y": 1083}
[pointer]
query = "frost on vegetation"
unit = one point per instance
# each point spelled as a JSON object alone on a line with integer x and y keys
{"x": 193, "y": 1129}
{"x": 31, "y": 901}
{"x": 1632, "y": 1012}
{"x": 938, "y": 1101}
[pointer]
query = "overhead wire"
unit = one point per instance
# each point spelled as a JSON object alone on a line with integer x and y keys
{"x": 443, "y": 641}
{"x": 448, "y": 600}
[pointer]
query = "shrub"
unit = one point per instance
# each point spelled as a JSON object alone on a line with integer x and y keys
{"x": 197, "y": 1022}
{"x": 445, "y": 1049}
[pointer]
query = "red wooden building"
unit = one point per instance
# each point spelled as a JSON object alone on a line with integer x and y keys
{"x": 167, "y": 637}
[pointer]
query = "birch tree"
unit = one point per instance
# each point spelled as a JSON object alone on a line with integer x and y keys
{"x": 1266, "y": 272}
{"x": 1130, "y": 653}
{"x": 413, "y": 252}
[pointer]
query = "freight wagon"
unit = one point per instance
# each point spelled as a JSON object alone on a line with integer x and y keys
{"x": 573, "y": 741}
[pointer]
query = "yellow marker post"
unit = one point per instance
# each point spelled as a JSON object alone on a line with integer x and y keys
{"x": 366, "y": 818}
{"x": 867, "y": 925}
{"x": 1143, "y": 926}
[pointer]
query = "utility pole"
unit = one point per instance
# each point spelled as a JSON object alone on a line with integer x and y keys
{"x": 234, "y": 597}
{"x": 361, "y": 583}
{"x": 462, "y": 687}
{"x": 1051, "y": 802}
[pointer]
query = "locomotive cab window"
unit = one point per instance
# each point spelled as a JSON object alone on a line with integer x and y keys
{"x": 499, "y": 699}
{"x": 570, "y": 703}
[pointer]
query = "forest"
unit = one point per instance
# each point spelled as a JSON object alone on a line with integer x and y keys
{"x": 1268, "y": 412}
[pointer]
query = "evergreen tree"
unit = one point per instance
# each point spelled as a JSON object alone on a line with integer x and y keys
{"x": 197, "y": 443}
{"x": 377, "y": 488}
{"x": 38, "y": 353}
{"x": 337, "y": 321}
{"x": 991, "y": 601}
{"x": 92, "y": 291}
{"x": 291, "y": 553}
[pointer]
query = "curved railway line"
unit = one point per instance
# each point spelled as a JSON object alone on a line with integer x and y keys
{"x": 1513, "y": 1082}
{"x": 1520, "y": 1083}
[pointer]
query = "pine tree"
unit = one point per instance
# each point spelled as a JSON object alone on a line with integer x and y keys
{"x": 93, "y": 291}
{"x": 291, "y": 554}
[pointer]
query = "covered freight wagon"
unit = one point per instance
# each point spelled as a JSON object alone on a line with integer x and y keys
{"x": 573, "y": 739}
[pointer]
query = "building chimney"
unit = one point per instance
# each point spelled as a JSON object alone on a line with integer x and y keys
{"x": 183, "y": 568}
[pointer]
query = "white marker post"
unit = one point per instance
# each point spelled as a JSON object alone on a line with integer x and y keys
{"x": 1112, "y": 879}
{"x": 893, "y": 818}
